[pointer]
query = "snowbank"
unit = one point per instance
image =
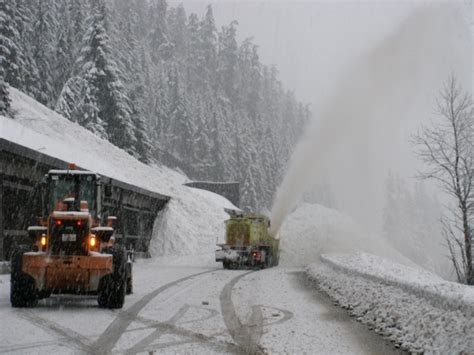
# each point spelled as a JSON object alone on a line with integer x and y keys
{"x": 193, "y": 219}
{"x": 311, "y": 230}
{"x": 414, "y": 308}
{"x": 195, "y": 222}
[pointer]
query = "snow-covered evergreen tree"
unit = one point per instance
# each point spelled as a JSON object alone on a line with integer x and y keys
{"x": 96, "y": 66}
{"x": 249, "y": 198}
{"x": 180, "y": 131}
{"x": 160, "y": 46}
{"x": 11, "y": 57}
{"x": 208, "y": 40}
{"x": 227, "y": 60}
{"x": 43, "y": 39}
{"x": 63, "y": 54}
{"x": 4, "y": 95}
{"x": 178, "y": 32}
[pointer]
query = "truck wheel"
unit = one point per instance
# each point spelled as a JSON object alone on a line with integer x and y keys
{"x": 22, "y": 286}
{"x": 269, "y": 260}
{"x": 277, "y": 260}
{"x": 112, "y": 288}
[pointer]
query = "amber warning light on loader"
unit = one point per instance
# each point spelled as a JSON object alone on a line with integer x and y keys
{"x": 71, "y": 166}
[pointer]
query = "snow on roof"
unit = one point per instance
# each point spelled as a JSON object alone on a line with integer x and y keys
{"x": 72, "y": 172}
{"x": 39, "y": 128}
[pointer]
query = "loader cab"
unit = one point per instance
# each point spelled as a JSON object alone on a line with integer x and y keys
{"x": 72, "y": 206}
{"x": 72, "y": 190}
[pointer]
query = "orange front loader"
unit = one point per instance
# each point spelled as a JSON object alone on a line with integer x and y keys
{"x": 71, "y": 251}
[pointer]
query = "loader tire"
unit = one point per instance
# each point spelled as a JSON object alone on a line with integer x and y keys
{"x": 129, "y": 278}
{"x": 23, "y": 291}
{"x": 112, "y": 287}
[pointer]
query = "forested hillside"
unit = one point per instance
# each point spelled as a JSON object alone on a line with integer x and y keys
{"x": 163, "y": 85}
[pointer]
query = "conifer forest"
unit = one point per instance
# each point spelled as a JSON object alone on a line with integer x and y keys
{"x": 166, "y": 86}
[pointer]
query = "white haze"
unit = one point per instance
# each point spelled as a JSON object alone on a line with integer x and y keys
{"x": 363, "y": 130}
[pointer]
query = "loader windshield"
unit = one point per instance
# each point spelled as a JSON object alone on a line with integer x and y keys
{"x": 72, "y": 188}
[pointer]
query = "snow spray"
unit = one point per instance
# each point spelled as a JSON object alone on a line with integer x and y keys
{"x": 363, "y": 131}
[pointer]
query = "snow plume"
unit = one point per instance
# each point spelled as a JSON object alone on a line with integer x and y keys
{"x": 363, "y": 131}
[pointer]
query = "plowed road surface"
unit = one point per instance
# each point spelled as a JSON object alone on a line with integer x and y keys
{"x": 190, "y": 310}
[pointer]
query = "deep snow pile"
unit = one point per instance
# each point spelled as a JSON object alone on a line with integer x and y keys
{"x": 196, "y": 235}
{"x": 193, "y": 218}
{"x": 414, "y": 308}
{"x": 311, "y": 230}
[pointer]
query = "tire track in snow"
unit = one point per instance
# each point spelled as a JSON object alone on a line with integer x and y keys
{"x": 246, "y": 336}
{"x": 170, "y": 327}
{"x": 73, "y": 338}
{"x": 111, "y": 335}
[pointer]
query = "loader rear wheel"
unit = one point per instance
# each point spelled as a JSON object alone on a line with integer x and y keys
{"x": 22, "y": 286}
{"x": 112, "y": 287}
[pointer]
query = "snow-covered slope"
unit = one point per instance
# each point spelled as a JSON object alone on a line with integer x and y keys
{"x": 193, "y": 218}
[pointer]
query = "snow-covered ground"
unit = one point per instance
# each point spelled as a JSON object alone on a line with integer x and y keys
{"x": 414, "y": 308}
{"x": 190, "y": 310}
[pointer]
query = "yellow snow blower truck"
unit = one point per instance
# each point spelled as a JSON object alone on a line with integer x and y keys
{"x": 248, "y": 243}
{"x": 73, "y": 249}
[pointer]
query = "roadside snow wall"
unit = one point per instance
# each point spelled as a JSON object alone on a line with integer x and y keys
{"x": 417, "y": 310}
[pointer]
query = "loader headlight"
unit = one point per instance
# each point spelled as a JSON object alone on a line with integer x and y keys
{"x": 43, "y": 240}
{"x": 92, "y": 240}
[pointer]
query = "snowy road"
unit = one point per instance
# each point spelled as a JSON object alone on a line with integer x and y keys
{"x": 177, "y": 309}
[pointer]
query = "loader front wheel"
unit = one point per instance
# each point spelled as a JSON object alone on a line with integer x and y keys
{"x": 129, "y": 283}
{"x": 112, "y": 287}
{"x": 22, "y": 286}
